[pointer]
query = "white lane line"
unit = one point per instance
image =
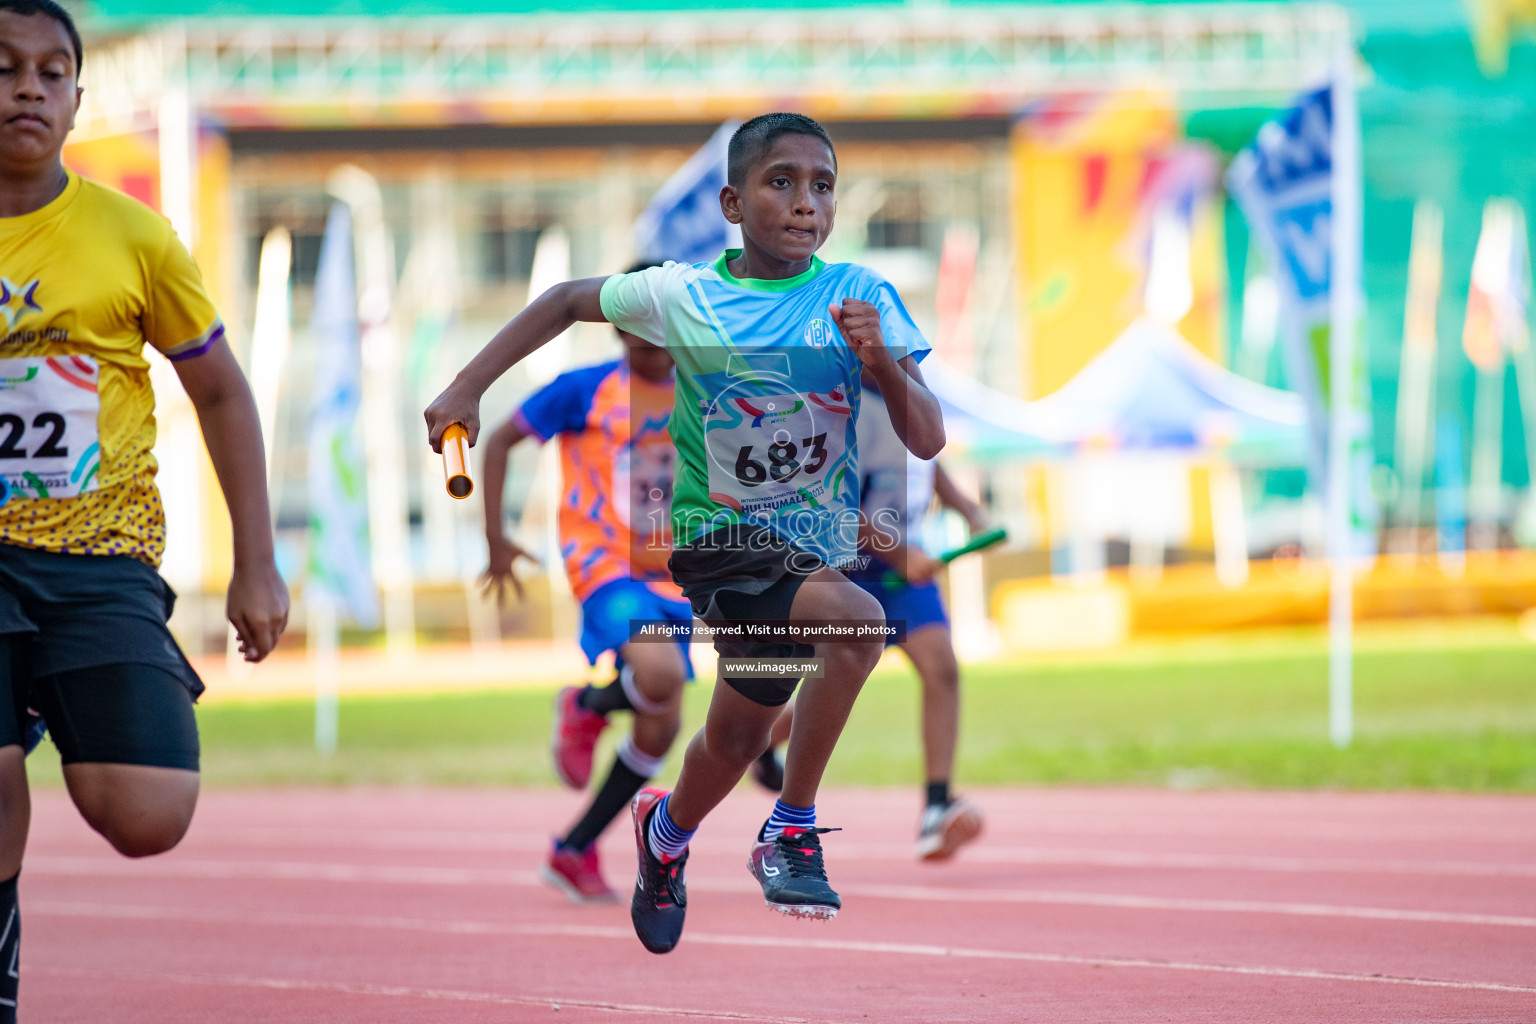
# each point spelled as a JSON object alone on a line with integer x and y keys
{"x": 523, "y": 842}
{"x": 934, "y": 894}
{"x": 493, "y": 928}
{"x": 280, "y": 870}
{"x": 182, "y": 868}
{"x": 549, "y": 1003}
{"x": 1238, "y": 862}
{"x": 1283, "y": 824}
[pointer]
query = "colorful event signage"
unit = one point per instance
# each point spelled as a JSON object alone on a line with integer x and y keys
{"x": 1082, "y": 164}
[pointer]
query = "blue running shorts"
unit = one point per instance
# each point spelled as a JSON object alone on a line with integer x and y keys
{"x": 917, "y": 605}
{"x": 607, "y": 614}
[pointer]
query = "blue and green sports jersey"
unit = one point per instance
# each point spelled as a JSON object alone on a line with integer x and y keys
{"x": 767, "y": 393}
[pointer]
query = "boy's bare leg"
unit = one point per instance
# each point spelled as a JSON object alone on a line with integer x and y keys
{"x": 948, "y": 823}
{"x": 735, "y": 732}
{"x": 15, "y": 814}
{"x": 15, "y": 809}
{"x": 823, "y": 705}
{"x": 140, "y": 810}
{"x": 933, "y": 656}
{"x": 660, "y": 676}
{"x": 782, "y": 725}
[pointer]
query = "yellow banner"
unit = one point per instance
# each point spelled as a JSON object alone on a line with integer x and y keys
{"x": 1079, "y": 170}
{"x": 128, "y": 163}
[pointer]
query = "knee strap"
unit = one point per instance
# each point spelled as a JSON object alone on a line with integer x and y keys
{"x": 637, "y": 760}
{"x": 639, "y": 701}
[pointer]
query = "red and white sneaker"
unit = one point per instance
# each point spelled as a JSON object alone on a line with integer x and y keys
{"x": 943, "y": 830}
{"x": 574, "y": 738}
{"x": 576, "y": 873}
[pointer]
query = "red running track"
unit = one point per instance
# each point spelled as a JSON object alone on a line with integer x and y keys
{"x": 1078, "y": 905}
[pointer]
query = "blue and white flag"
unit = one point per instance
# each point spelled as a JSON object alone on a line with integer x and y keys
{"x": 1283, "y": 180}
{"x": 1288, "y": 181}
{"x": 338, "y": 499}
{"x": 683, "y": 221}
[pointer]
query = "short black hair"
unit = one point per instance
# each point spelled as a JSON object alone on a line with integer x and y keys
{"x": 50, "y": 9}
{"x": 758, "y": 135}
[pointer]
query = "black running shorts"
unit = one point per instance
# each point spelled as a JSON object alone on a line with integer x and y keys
{"x": 745, "y": 572}
{"x": 84, "y": 642}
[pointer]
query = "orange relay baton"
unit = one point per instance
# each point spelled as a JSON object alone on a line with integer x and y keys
{"x": 456, "y": 461}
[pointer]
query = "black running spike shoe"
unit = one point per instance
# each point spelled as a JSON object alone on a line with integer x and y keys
{"x": 661, "y": 897}
{"x": 792, "y": 875}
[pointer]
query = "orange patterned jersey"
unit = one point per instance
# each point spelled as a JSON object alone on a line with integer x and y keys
{"x": 616, "y": 466}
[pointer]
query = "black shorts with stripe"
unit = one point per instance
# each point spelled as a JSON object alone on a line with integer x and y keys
{"x": 745, "y": 572}
{"x": 84, "y": 644}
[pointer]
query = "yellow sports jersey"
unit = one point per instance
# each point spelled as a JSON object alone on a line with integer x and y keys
{"x": 85, "y": 282}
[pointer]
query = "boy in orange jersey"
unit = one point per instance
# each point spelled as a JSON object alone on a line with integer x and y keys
{"x": 616, "y": 468}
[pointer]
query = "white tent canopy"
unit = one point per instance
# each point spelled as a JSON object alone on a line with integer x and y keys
{"x": 1152, "y": 390}
{"x": 983, "y": 424}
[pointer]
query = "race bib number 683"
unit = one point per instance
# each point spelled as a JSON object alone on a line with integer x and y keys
{"x": 49, "y": 447}
{"x": 771, "y": 452}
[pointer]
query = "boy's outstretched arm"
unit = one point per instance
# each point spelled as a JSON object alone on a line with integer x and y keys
{"x": 914, "y": 411}
{"x": 951, "y": 496}
{"x": 543, "y": 319}
{"x": 257, "y": 605}
{"x": 503, "y": 550}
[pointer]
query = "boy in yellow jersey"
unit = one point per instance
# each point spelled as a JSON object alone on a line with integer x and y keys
{"x": 88, "y": 278}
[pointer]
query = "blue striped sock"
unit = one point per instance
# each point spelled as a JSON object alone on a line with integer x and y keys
{"x": 664, "y": 838}
{"x": 784, "y": 816}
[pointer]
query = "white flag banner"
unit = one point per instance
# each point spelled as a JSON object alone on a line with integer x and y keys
{"x": 338, "y": 500}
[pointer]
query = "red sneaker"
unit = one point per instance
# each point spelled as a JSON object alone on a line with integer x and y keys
{"x": 574, "y": 738}
{"x": 575, "y": 873}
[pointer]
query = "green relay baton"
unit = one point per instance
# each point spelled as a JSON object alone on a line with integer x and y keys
{"x": 996, "y": 535}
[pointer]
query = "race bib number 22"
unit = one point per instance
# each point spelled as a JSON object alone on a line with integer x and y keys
{"x": 49, "y": 446}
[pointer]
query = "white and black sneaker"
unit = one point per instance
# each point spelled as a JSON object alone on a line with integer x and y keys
{"x": 792, "y": 875}
{"x": 945, "y": 828}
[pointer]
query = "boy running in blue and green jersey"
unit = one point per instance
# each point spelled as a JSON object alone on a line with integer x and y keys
{"x": 769, "y": 344}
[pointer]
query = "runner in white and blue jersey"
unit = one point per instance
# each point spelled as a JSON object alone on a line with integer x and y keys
{"x": 898, "y": 489}
{"x": 769, "y": 344}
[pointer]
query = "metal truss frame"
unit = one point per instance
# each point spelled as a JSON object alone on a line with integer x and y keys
{"x": 331, "y": 73}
